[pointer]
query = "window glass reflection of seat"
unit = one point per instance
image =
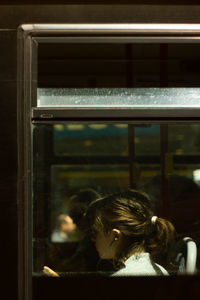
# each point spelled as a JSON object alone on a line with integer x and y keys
{"x": 187, "y": 256}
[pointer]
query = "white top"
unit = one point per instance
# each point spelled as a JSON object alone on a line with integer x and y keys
{"x": 140, "y": 265}
{"x": 58, "y": 237}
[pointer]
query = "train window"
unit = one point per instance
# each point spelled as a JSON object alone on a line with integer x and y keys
{"x": 104, "y": 108}
{"x": 69, "y": 158}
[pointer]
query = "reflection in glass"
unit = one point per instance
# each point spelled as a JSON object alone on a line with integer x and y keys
{"x": 91, "y": 139}
{"x": 64, "y": 229}
{"x": 107, "y": 158}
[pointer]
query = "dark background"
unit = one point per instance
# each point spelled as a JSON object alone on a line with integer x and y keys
{"x": 12, "y": 14}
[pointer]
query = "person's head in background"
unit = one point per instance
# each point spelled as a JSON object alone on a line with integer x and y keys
{"x": 66, "y": 224}
{"x": 78, "y": 205}
{"x": 124, "y": 225}
{"x": 64, "y": 230}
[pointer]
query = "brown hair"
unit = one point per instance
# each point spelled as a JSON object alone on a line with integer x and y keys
{"x": 131, "y": 213}
{"x": 79, "y": 202}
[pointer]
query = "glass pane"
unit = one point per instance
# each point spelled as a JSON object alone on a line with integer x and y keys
{"x": 118, "y": 97}
{"x": 98, "y": 65}
{"x": 87, "y": 140}
{"x": 147, "y": 139}
{"x": 63, "y": 65}
{"x": 184, "y": 181}
{"x": 106, "y": 158}
{"x": 184, "y": 139}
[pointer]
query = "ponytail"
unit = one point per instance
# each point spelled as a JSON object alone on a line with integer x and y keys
{"x": 162, "y": 239}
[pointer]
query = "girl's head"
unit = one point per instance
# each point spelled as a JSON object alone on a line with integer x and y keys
{"x": 123, "y": 225}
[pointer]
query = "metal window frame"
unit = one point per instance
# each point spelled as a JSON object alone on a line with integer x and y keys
{"x": 29, "y": 36}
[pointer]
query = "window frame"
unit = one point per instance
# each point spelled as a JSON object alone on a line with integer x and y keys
{"x": 29, "y": 36}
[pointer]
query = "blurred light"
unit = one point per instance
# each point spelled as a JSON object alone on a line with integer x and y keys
{"x": 88, "y": 143}
{"x": 180, "y": 137}
{"x": 97, "y": 126}
{"x": 59, "y": 127}
{"x": 75, "y": 127}
{"x": 121, "y": 125}
{"x": 179, "y": 151}
{"x": 136, "y": 140}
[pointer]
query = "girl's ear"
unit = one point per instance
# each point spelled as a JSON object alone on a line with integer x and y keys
{"x": 116, "y": 233}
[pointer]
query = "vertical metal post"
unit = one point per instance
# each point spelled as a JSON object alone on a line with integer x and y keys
{"x": 163, "y": 165}
{"x": 164, "y": 135}
{"x": 131, "y": 151}
{"x": 131, "y": 129}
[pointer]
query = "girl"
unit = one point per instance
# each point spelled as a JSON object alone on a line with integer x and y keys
{"x": 127, "y": 233}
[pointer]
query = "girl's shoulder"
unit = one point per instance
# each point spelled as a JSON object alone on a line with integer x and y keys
{"x": 140, "y": 265}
